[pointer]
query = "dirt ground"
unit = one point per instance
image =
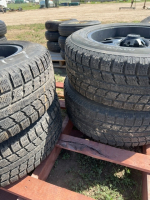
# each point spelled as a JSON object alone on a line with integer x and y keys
{"x": 106, "y": 13}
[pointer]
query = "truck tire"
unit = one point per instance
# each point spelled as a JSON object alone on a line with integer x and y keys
{"x": 52, "y": 36}
{"x": 22, "y": 153}
{"x": 111, "y": 126}
{"x": 61, "y": 42}
{"x": 69, "y": 27}
{"x": 3, "y": 28}
{"x": 52, "y": 25}
{"x": 53, "y": 46}
{"x": 116, "y": 76}
{"x": 62, "y": 53}
{"x": 27, "y": 86}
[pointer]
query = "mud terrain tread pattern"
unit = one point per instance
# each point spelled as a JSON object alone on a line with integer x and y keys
{"x": 28, "y": 87}
{"x": 108, "y": 125}
{"x": 124, "y": 77}
{"x": 24, "y": 152}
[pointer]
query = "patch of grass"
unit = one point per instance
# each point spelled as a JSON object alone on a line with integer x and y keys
{"x": 98, "y": 179}
{"x": 24, "y": 6}
{"x": 29, "y": 32}
{"x": 66, "y": 156}
{"x": 59, "y": 78}
{"x": 105, "y": 180}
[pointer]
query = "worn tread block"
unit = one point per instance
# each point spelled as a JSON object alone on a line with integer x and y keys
{"x": 25, "y": 151}
{"x": 118, "y": 127}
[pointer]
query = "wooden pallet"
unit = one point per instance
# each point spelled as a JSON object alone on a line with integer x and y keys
{"x": 58, "y": 61}
{"x": 34, "y": 187}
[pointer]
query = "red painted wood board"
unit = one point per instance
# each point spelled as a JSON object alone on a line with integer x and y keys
{"x": 35, "y": 189}
{"x": 7, "y": 196}
{"x": 43, "y": 170}
{"x": 104, "y": 152}
{"x": 59, "y": 85}
{"x": 62, "y": 104}
{"x": 146, "y": 178}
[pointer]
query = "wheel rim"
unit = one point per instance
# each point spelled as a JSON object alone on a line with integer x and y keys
{"x": 7, "y": 51}
{"x": 122, "y": 36}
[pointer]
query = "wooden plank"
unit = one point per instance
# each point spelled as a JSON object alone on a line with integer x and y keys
{"x": 56, "y": 56}
{"x": 31, "y": 188}
{"x": 146, "y": 178}
{"x": 62, "y": 63}
{"x": 43, "y": 170}
{"x": 62, "y": 104}
{"x": 57, "y": 65}
{"x": 60, "y": 85}
{"x": 104, "y": 152}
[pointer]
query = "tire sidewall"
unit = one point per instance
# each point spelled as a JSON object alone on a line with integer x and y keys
{"x": 81, "y": 39}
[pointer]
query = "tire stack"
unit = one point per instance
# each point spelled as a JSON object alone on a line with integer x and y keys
{"x": 52, "y": 34}
{"x": 30, "y": 118}
{"x": 69, "y": 27}
{"x": 107, "y": 91}
{"x": 3, "y": 31}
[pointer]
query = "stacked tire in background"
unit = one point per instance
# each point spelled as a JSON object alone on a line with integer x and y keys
{"x": 52, "y": 34}
{"x": 30, "y": 118}
{"x": 3, "y": 31}
{"x": 107, "y": 91}
{"x": 69, "y": 27}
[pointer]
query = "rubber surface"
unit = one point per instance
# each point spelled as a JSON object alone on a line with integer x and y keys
{"x": 3, "y": 28}
{"x": 52, "y": 25}
{"x": 111, "y": 126}
{"x": 52, "y": 36}
{"x": 69, "y": 27}
{"x": 146, "y": 20}
{"x": 24, "y": 152}
{"x": 109, "y": 76}
{"x": 3, "y": 39}
{"x": 61, "y": 42}
{"x": 62, "y": 53}
{"x": 27, "y": 88}
{"x": 53, "y": 46}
